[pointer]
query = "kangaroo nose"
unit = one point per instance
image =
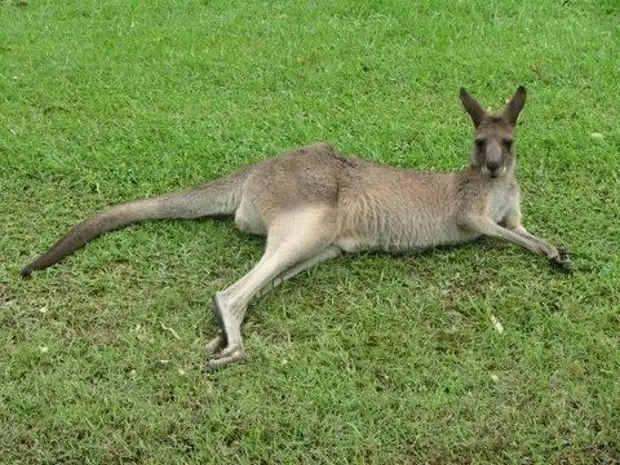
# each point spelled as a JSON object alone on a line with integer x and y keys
{"x": 493, "y": 166}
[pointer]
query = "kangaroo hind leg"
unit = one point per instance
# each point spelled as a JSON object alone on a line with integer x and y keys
{"x": 248, "y": 219}
{"x": 293, "y": 239}
{"x": 329, "y": 253}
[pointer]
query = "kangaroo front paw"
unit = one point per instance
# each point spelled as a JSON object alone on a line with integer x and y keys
{"x": 551, "y": 252}
{"x": 561, "y": 260}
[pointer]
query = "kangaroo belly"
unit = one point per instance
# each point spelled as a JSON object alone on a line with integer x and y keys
{"x": 398, "y": 227}
{"x": 422, "y": 235}
{"x": 405, "y": 237}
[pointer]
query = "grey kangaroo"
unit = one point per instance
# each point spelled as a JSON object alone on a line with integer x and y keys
{"x": 315, "y": 203}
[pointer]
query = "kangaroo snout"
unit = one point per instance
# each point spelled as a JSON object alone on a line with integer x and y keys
{"x": 494, "y": 167}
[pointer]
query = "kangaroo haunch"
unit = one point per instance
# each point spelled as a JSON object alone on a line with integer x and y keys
{"x": 315, "y": 203}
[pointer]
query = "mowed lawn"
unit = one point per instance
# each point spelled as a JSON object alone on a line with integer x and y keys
{"x": 368, "y": 359}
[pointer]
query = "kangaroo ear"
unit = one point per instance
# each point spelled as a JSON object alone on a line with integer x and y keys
{"x": 473, "y": 108}
{"x": 516, "y": 104}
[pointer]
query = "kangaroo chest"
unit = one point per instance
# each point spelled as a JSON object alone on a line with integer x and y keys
{"x": 501, "y": 200}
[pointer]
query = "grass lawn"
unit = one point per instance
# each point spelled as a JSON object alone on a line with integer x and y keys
{"x": 367, "y": 359}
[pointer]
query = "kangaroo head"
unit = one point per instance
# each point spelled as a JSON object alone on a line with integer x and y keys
{"x": 493, "y": 152}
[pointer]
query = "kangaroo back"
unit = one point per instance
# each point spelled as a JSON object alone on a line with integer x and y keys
{"x": 218, "y": 197}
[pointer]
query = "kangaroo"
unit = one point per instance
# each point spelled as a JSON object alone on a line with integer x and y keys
{"x": 315, "y": 203}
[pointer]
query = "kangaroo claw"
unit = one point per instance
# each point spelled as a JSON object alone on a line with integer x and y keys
{"x": 562, "y": 261}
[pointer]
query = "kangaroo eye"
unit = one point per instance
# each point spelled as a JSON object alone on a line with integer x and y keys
{"x": 480, "y": 143}
{"x": 507, "y": 143}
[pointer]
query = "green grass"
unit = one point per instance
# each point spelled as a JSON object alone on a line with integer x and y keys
{"x": 367, "y": 359}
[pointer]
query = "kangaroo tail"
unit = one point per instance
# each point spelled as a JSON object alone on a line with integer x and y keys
{"x": 218, "y": 197}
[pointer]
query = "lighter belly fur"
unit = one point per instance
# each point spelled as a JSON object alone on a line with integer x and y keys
{"x": 393, "y": 232}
